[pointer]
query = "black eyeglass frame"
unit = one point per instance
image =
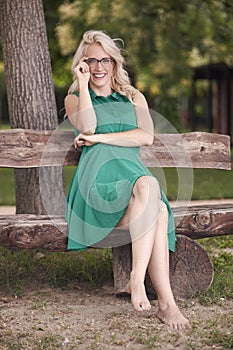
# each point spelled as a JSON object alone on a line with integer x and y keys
{"x": 95, "y": 61}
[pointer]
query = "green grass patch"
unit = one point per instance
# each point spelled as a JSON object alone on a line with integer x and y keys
{"x": 220, "y": 339}
{"x": 7, "y": 187}
{"x": 220, "y": 250}
{"x": 25, "y": 341}
{"x": 208, "y": 183}
{"x": 5, "y": 126}
{"x": 22, "y": 269}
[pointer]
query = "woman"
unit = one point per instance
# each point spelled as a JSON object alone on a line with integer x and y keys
{"x": 111, "y": 187}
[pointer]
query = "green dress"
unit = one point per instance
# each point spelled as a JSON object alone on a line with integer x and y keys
{"x": 103, "y": 181}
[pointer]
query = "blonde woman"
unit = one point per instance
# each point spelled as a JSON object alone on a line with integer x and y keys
{"x": 111, "y": 186}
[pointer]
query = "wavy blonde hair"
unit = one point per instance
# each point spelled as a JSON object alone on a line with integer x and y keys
{"x": 120, "y": 79}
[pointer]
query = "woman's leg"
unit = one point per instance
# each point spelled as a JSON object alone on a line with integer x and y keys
{"x": 158, "y": 269}
{"x": 142, "y": 216}
{"x": 146, "y": 218}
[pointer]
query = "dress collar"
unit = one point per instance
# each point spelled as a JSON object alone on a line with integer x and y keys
{"x": 114, "y": 95}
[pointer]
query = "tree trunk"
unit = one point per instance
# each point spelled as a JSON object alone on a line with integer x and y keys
{"x": 31, "y": 98}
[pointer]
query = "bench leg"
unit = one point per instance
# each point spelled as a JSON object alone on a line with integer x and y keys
{"x": 122, "y": 263}
{"x": 191, "y": 270}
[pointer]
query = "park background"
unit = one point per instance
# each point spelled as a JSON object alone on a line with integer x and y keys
{"x": 166, "y": 45}
{"x": 179, "y": 54}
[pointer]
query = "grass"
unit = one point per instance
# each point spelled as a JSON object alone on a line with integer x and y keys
{"x": 7, "y": 187}
{"x": 25, "y": 341}
{"x": 20, "y": 269}
{"x": 208, "y": 183}
{"x": 220, "y": 249}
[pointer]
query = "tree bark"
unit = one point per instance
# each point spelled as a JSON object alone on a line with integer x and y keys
{"x": 31, "y": 97}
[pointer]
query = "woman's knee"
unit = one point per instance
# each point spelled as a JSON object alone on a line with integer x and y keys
{"x": 145, "y": 186}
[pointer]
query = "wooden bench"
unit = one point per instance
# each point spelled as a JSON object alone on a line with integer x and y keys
{"x": 191, "y": 270}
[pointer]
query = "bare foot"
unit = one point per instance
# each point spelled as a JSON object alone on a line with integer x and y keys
{"x": 172, "y": 317}
{"x": 139, "y": 299}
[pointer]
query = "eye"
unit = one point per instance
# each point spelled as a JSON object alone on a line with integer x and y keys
{"x": 106, "y": 60}
{"x": 91, "y": 61}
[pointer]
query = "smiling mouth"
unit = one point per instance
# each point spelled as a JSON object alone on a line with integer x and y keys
{"x": 99, "y": 75}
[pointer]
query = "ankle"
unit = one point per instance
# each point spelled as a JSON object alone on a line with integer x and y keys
{"x": 167, "y": 305}
{"x": 136, "y": 278}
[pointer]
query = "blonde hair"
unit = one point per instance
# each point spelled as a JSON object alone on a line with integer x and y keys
{"x": 120, "y": 79}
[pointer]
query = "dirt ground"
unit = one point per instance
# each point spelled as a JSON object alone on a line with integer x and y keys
{"x": 96, "y": 319}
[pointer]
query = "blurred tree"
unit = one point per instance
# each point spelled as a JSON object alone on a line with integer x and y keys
{"x": 51, "y": 10}
{"x": 31, "y": 99}
{"x": 164, "y": 40}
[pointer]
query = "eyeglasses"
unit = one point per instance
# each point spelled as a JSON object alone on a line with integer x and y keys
{"x": 105, "y": 62}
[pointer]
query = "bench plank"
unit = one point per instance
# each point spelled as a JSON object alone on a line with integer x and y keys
{"x": 21, "y": 148}
{"x": 204, "y": 221}
{"x": 26, "y": 231}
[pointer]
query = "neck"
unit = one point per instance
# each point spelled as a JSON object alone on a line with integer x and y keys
{"x": 102, "y": 91}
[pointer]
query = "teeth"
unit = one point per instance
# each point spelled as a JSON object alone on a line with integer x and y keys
{"x": 99, "y": 75}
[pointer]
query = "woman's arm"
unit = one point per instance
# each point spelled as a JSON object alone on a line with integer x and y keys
{"x": 142, "y": 135}
{"x": 80, "y": 109}
{"x": 144, "y": 120}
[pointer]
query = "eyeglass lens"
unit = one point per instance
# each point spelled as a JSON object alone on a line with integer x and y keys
{"x": 104, "y": 61}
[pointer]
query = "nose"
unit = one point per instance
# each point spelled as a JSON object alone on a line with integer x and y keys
{"x": 99, "y": 65}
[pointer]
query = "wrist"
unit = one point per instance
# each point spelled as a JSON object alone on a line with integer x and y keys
{"x": 83, "y": 85}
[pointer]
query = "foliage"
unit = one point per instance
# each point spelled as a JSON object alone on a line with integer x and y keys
{"x": 163, "y": 41}
{"x": 61, "y": 76}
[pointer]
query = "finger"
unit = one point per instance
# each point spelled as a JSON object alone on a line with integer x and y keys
{"x": 76, "y": 140}
{"x": 79, "y": 144}
{"x": 83, "y": 59}
{"x": 82, "y": 67}
{"x": 83, "y": 63}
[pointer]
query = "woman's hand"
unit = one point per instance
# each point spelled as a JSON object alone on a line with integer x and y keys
{"x": 82, "y": 71}
{"x": 85, "y": 140}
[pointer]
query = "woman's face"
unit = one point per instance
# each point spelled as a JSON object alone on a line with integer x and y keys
{"x": 101, "y": 72}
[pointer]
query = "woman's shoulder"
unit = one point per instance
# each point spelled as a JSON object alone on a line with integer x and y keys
{"x": 71, "y": 97}
{"x": 70, "y": 103}
{"x": 139, "y": 99}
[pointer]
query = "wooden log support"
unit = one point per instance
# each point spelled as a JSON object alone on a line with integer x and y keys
{"x": 191, "y": 270}
{"x": 25, "y": 231}
{"x": 21, "y": 148}
{"x": 204, "y": 221}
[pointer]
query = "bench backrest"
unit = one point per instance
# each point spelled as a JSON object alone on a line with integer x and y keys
{"x": 21, "y": 148}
